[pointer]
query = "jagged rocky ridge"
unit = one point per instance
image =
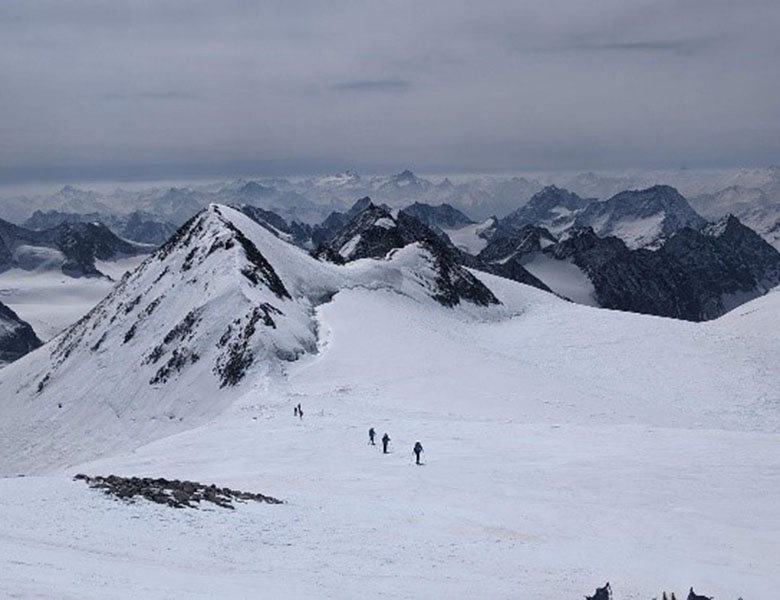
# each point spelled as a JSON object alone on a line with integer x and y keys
{"x": 70, "y": 247}
{"x": 17, "y": 338}
{"x": 377, "y": 231}
{"x": 696, "y": 275}
{"x": 641, "y": 218}
{"x": 138, "y": 226}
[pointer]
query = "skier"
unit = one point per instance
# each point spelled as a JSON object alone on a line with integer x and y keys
{"x": 371, "y": 434}
{"x": 295, "y": 411}
{"x": 418, "y": 449}
{"x": 300, "y": 412}
{"x": 385, "y": 441}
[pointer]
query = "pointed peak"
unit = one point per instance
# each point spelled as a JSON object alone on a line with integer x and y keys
{"x": 722, "y": 226}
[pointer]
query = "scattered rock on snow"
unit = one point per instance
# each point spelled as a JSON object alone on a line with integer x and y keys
{"x": 174, "y": 493}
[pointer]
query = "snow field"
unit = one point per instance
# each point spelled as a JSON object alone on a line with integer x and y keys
{"x": 553, "y": 463}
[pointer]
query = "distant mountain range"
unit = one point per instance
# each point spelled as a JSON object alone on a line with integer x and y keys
{"x": 148, "y": 215}
{"x": 643, "y": 250}
{"x": 69, "y": 247}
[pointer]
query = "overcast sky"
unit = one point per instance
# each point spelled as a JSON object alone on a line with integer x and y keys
{"x": 169, "y": 88}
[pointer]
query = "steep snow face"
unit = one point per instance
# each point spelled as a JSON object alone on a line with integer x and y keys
{"x": 159, "y": 353}
{"x": 563, "y": 277}
{"x": 641, "y": 218}
{"x": 223, "y": 299}
{"x": 471, "y": 238}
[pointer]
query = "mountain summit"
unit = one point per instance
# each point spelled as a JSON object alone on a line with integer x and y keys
{"x": 224, "y": 297}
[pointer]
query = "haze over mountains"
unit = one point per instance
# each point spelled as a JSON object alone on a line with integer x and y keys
{"x": 753, "y": 195}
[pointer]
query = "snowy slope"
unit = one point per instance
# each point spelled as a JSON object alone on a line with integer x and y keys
{"x": 563, "y": 277}
{"x": 223, "y": 300}
{"x": 564, "y": 446}
{"x": 471, "y": 238}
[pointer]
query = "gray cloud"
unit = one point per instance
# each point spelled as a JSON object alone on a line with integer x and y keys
{"x": 156, "y": 95}
{"x": 683, "y": 46}
{"x": 193, "y": 86}
{"x": 373, "y": 85}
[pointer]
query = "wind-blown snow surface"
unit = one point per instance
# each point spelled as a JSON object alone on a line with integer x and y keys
{"x": 565, "y": 446}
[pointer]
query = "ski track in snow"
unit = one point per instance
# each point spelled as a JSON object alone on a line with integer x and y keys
{"x": 565, "y": 446}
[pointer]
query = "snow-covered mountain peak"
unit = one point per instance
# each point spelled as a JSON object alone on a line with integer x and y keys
{"x": 641, "y": 218}
{"x": 221, "y": 305}
{"x": 553, "y": 208}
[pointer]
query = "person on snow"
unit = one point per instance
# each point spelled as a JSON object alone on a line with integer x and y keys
{"x": 295, "y": 410}
{"x": 418, "y": 450}
{"x": 371, "y": 435}
{"x": 385, "y": 441}
{"x": 300, "y": 411}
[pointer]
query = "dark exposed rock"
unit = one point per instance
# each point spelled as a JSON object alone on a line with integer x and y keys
{"x": 602, "y": 593}
{"x": 696, "y": 275}
{"x": 694, "y": 596}
{"x": 79, "y": 245}
{"x": 375, "y": 232}
{"x": 299, "y": 233}
{"x": 552, "y": 207}
{"x": 138, "y": 226}
{"x": 456, "y": 283}
{"x": 179, "y": 358}
{"x": 442, "y": 216}
{"x": 173, "y": 493}
{"x": 260, "y": 270}
{"x": 335, "y": 221}
{"x": 17, "y": 337}
{"x": 237, "y": 357}
{"x": 525, "y": 240}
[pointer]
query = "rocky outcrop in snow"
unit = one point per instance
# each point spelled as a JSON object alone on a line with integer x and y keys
{"x": 375, "y": 233}
{"x": 17, "y": 338}
{"x": 171, "y": 492}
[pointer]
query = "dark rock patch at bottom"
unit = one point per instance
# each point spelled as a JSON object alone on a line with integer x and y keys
{"x": 173, "y": 493}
